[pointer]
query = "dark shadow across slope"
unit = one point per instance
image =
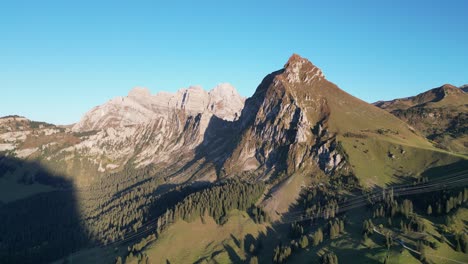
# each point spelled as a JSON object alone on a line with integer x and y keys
{"x": 42, "y": 227}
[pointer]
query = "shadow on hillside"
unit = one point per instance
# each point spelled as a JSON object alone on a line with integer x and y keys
{"x": 264, "y": 244}
{"x": 233, "y": 255}
{"x": 218, "y": 144}
{"x": 42, "y": 227}
{"x": 459, "y": 166}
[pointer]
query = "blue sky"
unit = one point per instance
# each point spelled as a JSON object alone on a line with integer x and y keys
{"x": 58, "y": 59}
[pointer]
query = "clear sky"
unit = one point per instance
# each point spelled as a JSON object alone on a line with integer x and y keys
{"x": 58, "y": 59}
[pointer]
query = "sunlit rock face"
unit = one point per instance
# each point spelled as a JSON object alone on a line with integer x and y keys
{"x": 140, "y": 106}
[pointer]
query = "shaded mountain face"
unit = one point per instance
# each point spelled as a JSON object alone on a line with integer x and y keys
{"x": 441, "y": 114}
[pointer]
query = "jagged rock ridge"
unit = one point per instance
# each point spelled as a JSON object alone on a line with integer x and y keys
{"x": 140, "y": 106}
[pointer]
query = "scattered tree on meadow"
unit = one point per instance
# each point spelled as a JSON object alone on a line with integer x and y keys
{"x": 304, "y": 242}
{"x": 329, "y": 258}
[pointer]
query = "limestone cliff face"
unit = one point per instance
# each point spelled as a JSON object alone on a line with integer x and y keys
{"x": 140, "y": 106}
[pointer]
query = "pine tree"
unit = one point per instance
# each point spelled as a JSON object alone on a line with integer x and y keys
{"x": 252, "y": 248}
{"x": 388, "y": 241}
{"x": 422, "y": 250}
{"x": 429, "y": 210}
{"x": 304, "y": 242}
{"x": 317, "y": 237}
{"x": 332, "y": 231}
{"x": 406, "y": 208}
{"x": 329, "y": 258}
{"x": 253, "y": 260}
{"x": 464, "y": 240}
{"x": 365, "y": 238}
{"x": 458, "y": 247}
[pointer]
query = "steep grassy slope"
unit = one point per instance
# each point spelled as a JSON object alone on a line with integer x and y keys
{"x": 379, "y": 161}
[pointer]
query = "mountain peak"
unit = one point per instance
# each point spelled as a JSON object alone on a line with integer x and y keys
{"x": 196, "y": 88}
{"x": 448, "y": 86}
{"x": 224, "y": 89}
{"x": 448, "y": 89}
{"x": 139, "y": 92}
{"x": 299, "y": 69}
{"x": 295, "y": 58}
